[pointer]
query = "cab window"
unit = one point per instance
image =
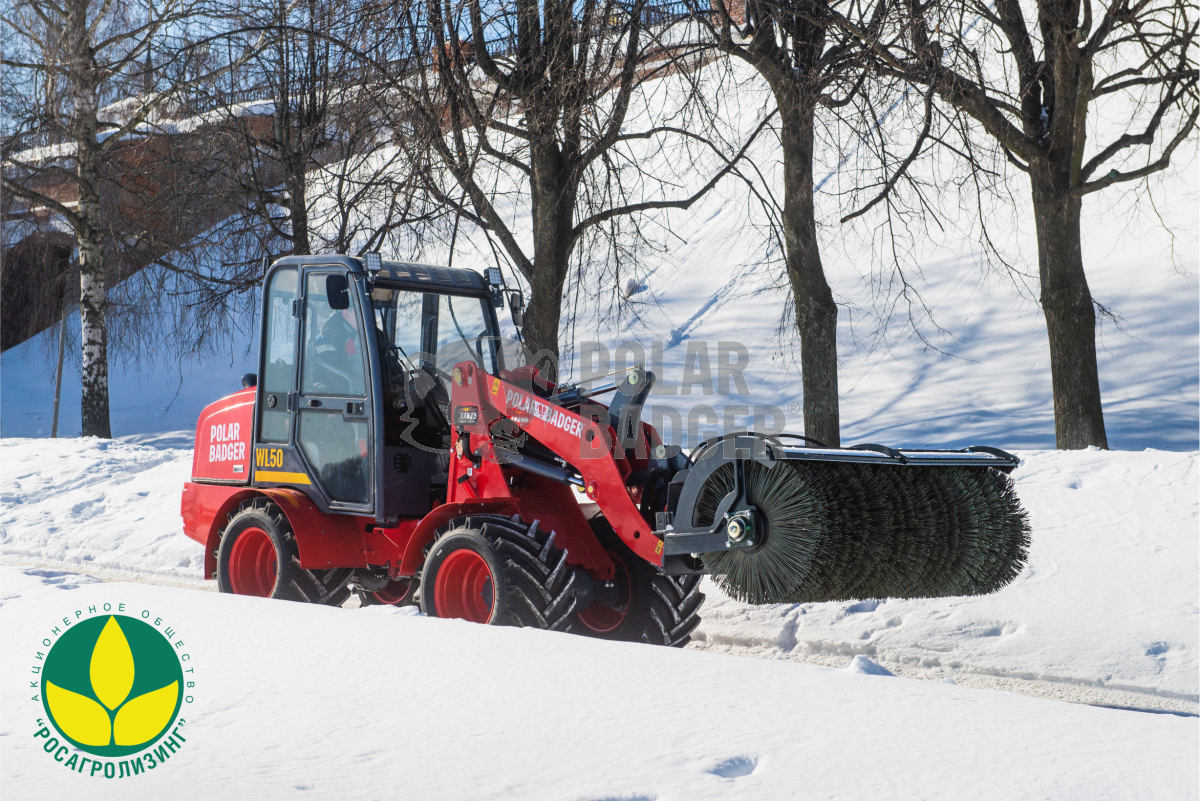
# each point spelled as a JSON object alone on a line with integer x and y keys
{"x": 333, "y": 345}
{"x": 422, "y": 335}
{"x": 279, "y": 358}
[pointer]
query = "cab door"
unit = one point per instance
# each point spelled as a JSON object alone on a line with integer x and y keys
{"x": 334, "y": 406}
{"x": 276, "y": 460}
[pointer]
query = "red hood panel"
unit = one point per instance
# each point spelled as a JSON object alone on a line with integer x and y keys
{"x": 223, "y": 439}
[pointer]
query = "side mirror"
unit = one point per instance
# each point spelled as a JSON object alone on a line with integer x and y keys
{"x": 337, "y": 292}
{"x": 516, "y": 306}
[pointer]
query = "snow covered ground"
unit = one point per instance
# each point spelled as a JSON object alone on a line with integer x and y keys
{"x": 1105, "y": 612}
{"x": 295, "y": 700}
{"x": 97, "y": 504}
{"x": 379, "y": 702}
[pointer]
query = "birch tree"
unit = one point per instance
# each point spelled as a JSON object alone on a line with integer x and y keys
{"x": 69, "y": 63}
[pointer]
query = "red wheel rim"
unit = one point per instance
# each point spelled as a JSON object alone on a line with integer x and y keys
{"x": 394, "y": 592}
{"x": 464, "y": 588}
{"x": 253, "y": 565}
{"x": 602, "y": 618}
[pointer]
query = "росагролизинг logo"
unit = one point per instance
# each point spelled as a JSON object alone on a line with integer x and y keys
{"x": 112, "y": 686}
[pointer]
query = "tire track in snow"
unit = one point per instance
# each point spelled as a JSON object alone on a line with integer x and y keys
{"x": 1076, "y": 691}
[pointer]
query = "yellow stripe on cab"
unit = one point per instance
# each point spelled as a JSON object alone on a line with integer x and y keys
{"x": 282, "y": 477}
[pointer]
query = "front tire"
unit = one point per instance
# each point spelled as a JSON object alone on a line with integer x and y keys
{"x": 258, "y": 557}
{"x": 502, "y": 572}
{"x": 651, "y": 607}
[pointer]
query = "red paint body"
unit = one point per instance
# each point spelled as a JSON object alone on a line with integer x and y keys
{"x": 478, "y": 485}
{"x": 223, "y": 450}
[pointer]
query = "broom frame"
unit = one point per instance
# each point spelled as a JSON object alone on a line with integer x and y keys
{"x": 682, "y": 542}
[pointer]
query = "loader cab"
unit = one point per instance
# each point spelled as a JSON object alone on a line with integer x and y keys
{"x": 355, "y": 366}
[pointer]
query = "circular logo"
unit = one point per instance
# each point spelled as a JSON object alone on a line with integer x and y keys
{"x": 112, "y": 685}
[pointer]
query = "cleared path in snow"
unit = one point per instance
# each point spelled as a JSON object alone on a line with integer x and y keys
{"x": 1105, "y": 612}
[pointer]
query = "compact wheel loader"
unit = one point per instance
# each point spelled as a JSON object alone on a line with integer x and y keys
{"x": 391, "y": 445}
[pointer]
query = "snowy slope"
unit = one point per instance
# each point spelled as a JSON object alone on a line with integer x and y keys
{"x": 379, "y": 703}
{"x": 156, "y": 395}
{"x": 97, "y": 504}
{"x": 1106, "y": 610}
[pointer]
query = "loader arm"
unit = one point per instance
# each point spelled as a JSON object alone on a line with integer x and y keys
{"x": 582, "y": 440}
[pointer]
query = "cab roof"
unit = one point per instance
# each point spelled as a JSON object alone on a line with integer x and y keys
{"x": 401, "y": 274}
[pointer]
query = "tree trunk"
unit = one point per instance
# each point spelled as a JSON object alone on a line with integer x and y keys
{"x": 298, "y": 209}
{"x": 94, "y": 337}
{"x": 553, "y": 211}
{"x": 540, "y": 330}
{"x": 1070, "y": 315}
{"x": 816, "y": 313}
{"x": 93, "y": 299}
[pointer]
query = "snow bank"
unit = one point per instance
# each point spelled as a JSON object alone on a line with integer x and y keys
{"x": 1108, "y": 599}
{"x": 97, "y": 504}
{"x": 293, "y": 699}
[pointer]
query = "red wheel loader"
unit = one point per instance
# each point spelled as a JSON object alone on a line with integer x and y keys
{"x": 389, "y": 445}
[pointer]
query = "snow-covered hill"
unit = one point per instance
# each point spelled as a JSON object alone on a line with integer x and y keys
{"x": 954, "y": 355}
{"x": 1105, "y": 612}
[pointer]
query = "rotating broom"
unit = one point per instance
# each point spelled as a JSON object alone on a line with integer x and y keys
{"x": 776, "y": 524}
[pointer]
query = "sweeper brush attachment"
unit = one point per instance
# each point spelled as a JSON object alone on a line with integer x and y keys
{"x": 823, "y": 526}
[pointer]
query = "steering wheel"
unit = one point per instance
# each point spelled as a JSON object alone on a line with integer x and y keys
{"x": 413, "y": 368}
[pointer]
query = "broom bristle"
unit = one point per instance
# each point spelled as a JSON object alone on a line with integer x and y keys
{"x": 793, "y": 517}
{"x": 837, "y": 532}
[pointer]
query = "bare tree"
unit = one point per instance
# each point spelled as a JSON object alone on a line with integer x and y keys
{"x": 286, "y": 152}
{"x": 1034, "y": 91}
{"x": 538, "y": 102}
{"x": 69, "y": 63}
{"x": 809, "y": 65}
{"x": 290, "y": 110}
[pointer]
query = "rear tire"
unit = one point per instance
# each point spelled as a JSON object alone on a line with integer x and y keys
{"x": 397, "y": 592}
{"x": 658, "y": 609}
{"x": 502, "y": 572}
{"x": 258, "y": 557}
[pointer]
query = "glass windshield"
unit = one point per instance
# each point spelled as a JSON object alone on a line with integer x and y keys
{"x": 422, "y": 336}
{"x": 434, "y": 332}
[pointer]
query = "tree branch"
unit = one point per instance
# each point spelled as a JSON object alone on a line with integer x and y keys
{"x": 1164, "y": 160}
{"x": 632, "y": 208}
{"x": 912, "y": 156}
